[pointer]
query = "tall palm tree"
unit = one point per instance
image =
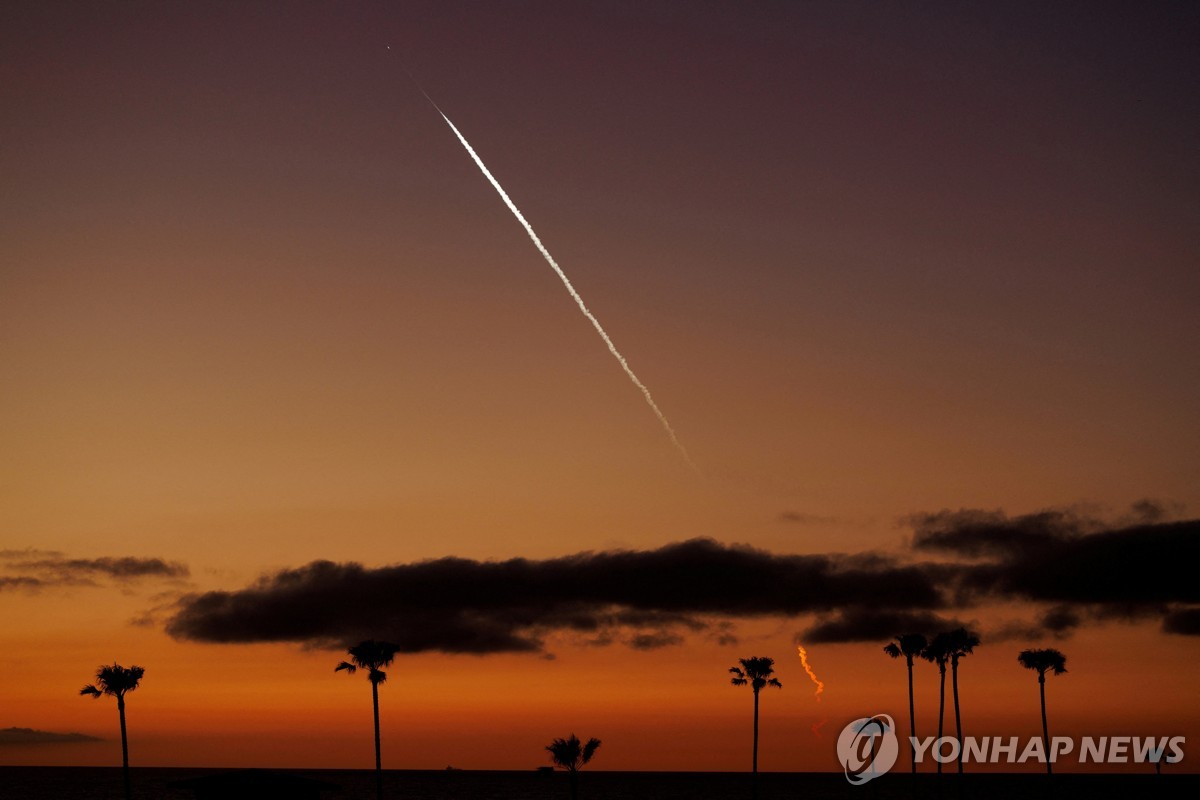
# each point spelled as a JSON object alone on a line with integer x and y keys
{"x": 962, "y": 643}
{"x": 117, "y": 681}
{"x": 1042, "y": 661}
{"x": 571, "y": 754}
{"x": 756, "y": 671}
{"x": 909, "y": 645}
{"x": 938, "y": 652}
{"x": 372, "y": 656}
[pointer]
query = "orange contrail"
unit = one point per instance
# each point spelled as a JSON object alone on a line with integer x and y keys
{"x": 820, "y": 683}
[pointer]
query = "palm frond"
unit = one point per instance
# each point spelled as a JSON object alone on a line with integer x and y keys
{"x": 962, "y": 642}
{"x": 1043, "y": 660}
{"x": 938, "y": 650}
{"x": 346, "y": 665}
{"x": 117, "y": 680}
{"x": 756, "y": 671}
{"x": 372, "y": 654}
{"x": 571, "y": 754}
{"x": 92, "y": 690}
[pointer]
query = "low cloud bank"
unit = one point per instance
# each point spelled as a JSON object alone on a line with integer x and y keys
{"x": 28, "y": 736}
{"x": 1077, "y": 568}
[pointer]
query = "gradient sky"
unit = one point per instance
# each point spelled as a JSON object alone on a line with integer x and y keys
{"x": 258, "y": 307}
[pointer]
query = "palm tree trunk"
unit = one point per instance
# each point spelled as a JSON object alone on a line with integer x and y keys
{"x": 1045, "y": 728}
{"x": 957, "y": 717}
{"x": 941, "y": 710}
{"x": 912, "y": 718}
{"x": 378, "y": 758}
{"x": 124, "y": 748}
{"x": 754, "y": 775}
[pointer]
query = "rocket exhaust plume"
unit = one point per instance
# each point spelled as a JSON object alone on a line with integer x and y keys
{"x": 812, "y": 675}
{"x": 612, "y": 348}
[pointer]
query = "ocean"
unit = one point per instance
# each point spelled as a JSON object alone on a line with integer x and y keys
{"x": 96, "y": 783}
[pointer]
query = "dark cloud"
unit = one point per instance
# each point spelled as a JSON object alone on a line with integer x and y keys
{"x": 1185, "y": 621}
{"x": 459, "y": 605}
{"x": 1084, "y": 569}
{"x": 653, "y": 641}
{"x": 28, "y": 553}
{"x": 19, "y": 582}
{"x": 1148, "y": 511}
{"x": 800, "y": 518}
{"x": 1070, "y": 567}
{"x": 872, "y": 625}
{"x": 989, "y": 534}
{"x": 25, "y": 736}
{"x": 1131, "y": 568}
{"x": 1060, "y": 620}
{"x": 81, "y": 570}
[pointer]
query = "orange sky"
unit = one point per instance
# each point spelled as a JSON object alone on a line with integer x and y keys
{"x": 257, "y": 307}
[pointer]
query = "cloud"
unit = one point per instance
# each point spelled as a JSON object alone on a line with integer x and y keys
{"x": 1060, "y": 620}
{"x": 1185, "y": 621}
{"x": 19, "y": 582}
{"x": 653, "y": 641}
{"x": 464, "y": 606}
{"x": 1082, "y": 568}
{"x": 27, "y": 736}
{"x": 1148, "y": 511}
{"x": 982, "y": 534}
{"x": 73, "y": 570}
{"x": 1132, "y": 568}
{"x": 1072, "y": 568}
{"x": 37, "y": 569}
{"x": 800, "y": 518}
{"x": 28, "y": 553}
{"x": 872, "y": 625}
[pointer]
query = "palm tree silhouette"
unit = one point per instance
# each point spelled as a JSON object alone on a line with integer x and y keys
{"x": 757, "y": 671}
{"x": 372, "y": 656}
{"x": 571, "y": 754}
{"x": 909, "y": 645}
{"x": 938, "y": 652}
{"x": 962, "y": 643}
{"x": 1041, "y": 661}
{"x": 117, "y": 681}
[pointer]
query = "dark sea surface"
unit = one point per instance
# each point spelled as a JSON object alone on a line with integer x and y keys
{"x": 95, "y": 783}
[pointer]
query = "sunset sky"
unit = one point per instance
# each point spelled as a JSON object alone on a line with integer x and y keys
{"x": 915, "y": 284}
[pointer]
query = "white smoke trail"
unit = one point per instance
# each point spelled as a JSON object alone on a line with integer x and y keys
{"x": 570, "y": 289}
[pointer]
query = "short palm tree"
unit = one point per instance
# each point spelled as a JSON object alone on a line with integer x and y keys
{"x": 1043, "y": 661}
{"x": 117, "y": 681}
{"x": 962, "y": 644}
{"x": 571, "y": 754}
{"x": 909, "y": 645}
{"x": 372, "y": 656}
{"x": 756, "y": 671}
{"x": 938, "y": 652}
